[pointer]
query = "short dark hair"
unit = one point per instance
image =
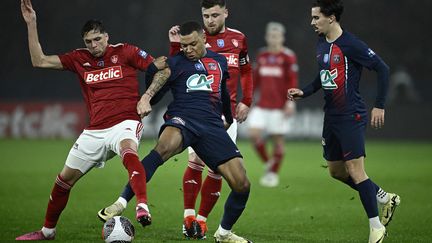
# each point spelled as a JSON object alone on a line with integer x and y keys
{"x": 93, "y": 24}
{"x": 212, "y": 3}
{"x": 330, "y": 7}
{"x": 189, "y": 27}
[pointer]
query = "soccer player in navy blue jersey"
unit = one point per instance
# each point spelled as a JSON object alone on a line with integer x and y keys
{"x": 197, "y": 82}
{"x": 341, "y": 57}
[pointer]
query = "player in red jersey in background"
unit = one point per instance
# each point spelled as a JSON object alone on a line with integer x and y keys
{"x": 233, "y": 45}
{"x": 276, "y": 71}
{"x": 108, "y": 79}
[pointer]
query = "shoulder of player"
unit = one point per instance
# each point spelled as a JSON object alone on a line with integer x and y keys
{"x": 350, "y": 42}
{"x": 288, "y": 52}
{"x": 235, "y": 32}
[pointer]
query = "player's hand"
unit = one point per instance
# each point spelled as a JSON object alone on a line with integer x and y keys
{"x": 242, "y": 112}
{"x": 294, "y": 94}
{"x": 290, "y": 108}
{"x": 173, "y": 34}
{"x": 160, "y": 62}
{"x": 377, "y": 118}
{"x": 143, "y": 106}
{"x": 28, "y": 13}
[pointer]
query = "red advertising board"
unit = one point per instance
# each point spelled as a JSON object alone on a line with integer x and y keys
{"x": 42, "y": 119}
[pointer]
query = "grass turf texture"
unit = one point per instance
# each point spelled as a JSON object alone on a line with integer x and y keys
{"x": 307, "y": 206}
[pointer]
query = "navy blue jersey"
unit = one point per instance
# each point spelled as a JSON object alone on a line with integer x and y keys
{"x": 340, "y": 67}
{"x": 198, "y": 87}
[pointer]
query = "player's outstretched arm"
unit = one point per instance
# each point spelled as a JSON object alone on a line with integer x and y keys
{"x": 38, "y": 58}
{"x": 159, "y": 80}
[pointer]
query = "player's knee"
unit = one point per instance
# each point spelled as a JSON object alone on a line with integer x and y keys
{"x": 242, "y": 186}
{"x": 165, "y": 150}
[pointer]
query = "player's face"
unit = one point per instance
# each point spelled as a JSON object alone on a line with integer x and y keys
{"x": 274, "y": 38}
{"x": 214, "y": 19}
{"x": 96, "y": 42}
{"x": 320, "y": 22}
{"x": 193, "y": 45}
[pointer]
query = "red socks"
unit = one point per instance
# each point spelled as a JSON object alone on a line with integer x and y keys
{"x": 210, "y": 193}
{"x": 278, "y": 154}
{"x": 58, "y": 200}
{"x": 137, "y": 176}
{"x": 191, "y": 184}
{"x": 261, "y": 150}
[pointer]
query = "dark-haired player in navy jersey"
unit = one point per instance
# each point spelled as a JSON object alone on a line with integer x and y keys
{"x": 341, "y": 57}
{"x": 232, "y": 44}
{"x": 198, "y": 85}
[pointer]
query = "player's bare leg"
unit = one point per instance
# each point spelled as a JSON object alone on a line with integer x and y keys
{"x": 57, "y": 202}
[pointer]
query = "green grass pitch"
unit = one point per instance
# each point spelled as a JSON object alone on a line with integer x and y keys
{"x": 307, "y": 206}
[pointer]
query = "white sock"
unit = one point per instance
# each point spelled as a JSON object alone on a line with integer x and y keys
{"x": 188, "y": 212}
{"x": 375, "y": 223}
{"x": 201, "y": 218}
{"x": 48, "y": 232}
{"x": 223, "y": 231}
{"x": 144, "y": 206}
{"x": 382, "y": 196}
{"x": 122, "y": 201}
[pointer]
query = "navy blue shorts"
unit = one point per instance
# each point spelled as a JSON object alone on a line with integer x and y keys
{"x": 344, "y": 138}
{"x": 209, "y": 140}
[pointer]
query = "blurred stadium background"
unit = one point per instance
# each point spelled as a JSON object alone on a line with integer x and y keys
{"x": 396, "y": 30}
{"x": 41, "y": 112}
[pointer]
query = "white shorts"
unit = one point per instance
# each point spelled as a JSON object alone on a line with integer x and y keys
{"x": 273, "y": 121}
{"x": 94, "y": 147}
{"x": 232, "y": 132}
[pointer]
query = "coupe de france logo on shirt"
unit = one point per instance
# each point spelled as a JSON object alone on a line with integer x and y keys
{"x": 220, "y": 43}
{"x": 199, "y": 82}
{"x": 328, "y": 79}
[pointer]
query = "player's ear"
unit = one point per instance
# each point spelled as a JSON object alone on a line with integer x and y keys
{"x": 332, "y": 18}
{"x": 226, "y": 13}
{"x": 107, "y": 36}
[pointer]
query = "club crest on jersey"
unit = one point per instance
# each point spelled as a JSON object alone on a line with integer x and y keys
{"x": 328, "y": 79}
{"x": 326, "y": 58}
{"x": 336, "y": 59}
{"x": 220, "y": 43}
{"x": 199, "y": 67}
{"x": 235, "y": 42}
{"x": 199, "y": 82}
{"x": 114, "y": 59}
{"x": 212, "y": 66}
{"x": 100, "y": 64}
{"x": 142, "y": 53}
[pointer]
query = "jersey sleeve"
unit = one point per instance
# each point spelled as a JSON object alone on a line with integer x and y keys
{"x": 256, "y": 77}
{"x": 174, "y": 48}
{"x": 67, "y": 60}
{"x": 138, "y": 58}
{"x": 292, "y": 71}
{"x": 362, "y": 54}
{"x": 246, "y": 75}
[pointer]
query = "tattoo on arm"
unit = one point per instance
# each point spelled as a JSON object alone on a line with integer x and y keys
{"x": 159, "y": 79}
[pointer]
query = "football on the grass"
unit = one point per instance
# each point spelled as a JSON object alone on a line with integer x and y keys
{"x": 118, "y": 229}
